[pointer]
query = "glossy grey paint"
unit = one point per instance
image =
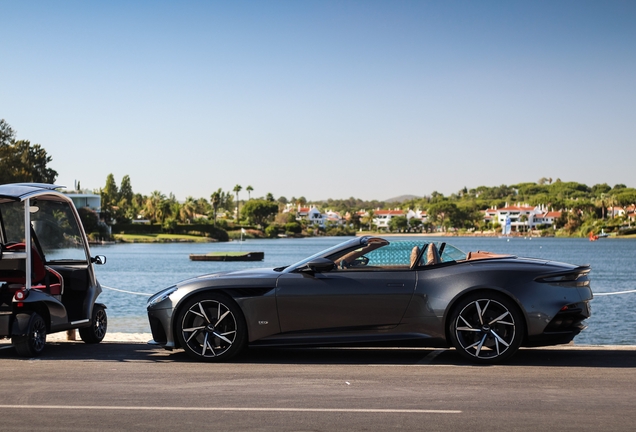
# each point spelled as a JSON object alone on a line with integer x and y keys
{"x": 297, "y": 307}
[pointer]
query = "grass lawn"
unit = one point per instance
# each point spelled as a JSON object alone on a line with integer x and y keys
{"x": 161, "y": 238}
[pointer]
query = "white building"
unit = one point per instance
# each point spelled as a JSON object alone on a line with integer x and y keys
{"x": 81, "y": 200}
{"x": 522, "y": 218}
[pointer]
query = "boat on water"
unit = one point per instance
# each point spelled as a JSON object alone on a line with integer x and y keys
{"x": 594, "y": 237}
{"x": 228, "y": 256}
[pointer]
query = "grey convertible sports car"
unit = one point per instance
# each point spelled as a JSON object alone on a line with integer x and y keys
{"x": 369, "y": 291}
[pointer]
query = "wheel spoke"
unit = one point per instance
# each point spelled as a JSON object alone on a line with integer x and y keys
{"x": 211, "y": 349}
{"x": 193, "y": 330}
{"x": 203, "y": 314}
{"x": 468, "y": 329}
{"x": 221, "y": 317}
{"x": 220, "y": 336}
{"x": 499, "y": 318}
{"x": 465, "y": 322}
{"x": 479, "y": 313}
{"x": 205, "y": 345}
{"x": 479, "y": 344}
{"x": 499, "y": 339}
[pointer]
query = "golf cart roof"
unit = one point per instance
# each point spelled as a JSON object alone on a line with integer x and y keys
{"x": 19, "y": 191}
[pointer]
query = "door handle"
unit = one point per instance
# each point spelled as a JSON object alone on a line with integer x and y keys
{"x": 395, "y": 284}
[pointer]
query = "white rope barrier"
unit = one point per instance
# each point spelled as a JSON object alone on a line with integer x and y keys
{"x": 148, "y": 295}
{"x": 127, "y": 292}
{"x": 614, "y": 293}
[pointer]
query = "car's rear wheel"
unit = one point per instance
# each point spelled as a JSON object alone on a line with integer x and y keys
{"x": 211, "y": 327}
{"x": 97, "y": 330}
{"x": 486, "y": 327}
{"x": 32, "y": 343}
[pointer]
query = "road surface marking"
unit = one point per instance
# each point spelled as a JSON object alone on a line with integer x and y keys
{"x": 272, "y": 409}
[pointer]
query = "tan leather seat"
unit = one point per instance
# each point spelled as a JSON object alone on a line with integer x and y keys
{"x": 432, "y": 255}
{"x": 415, "y": 252}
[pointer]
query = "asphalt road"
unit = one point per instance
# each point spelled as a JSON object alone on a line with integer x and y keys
{"x": 127, "y": 386}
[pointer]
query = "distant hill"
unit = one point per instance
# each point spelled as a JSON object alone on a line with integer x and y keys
{"x": 401, "y": 198}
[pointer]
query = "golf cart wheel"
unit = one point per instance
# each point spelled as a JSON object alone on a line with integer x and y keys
{"x": 97, "y": 330}
{"x": 32, "y": 343}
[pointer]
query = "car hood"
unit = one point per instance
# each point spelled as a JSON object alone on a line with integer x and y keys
{"x": 256, "y": 277}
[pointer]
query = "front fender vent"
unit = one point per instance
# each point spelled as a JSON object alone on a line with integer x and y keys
{"x": 247, "y": 292}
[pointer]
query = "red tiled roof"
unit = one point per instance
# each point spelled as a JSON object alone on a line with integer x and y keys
{"x": 515, "y": 208}
{"x": 553, "y": 214}
{"x": 389, "y": 212}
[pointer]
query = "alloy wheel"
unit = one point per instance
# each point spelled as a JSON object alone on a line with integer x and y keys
{"x": 208, "y": 328}
{"x": 485, "y": 329}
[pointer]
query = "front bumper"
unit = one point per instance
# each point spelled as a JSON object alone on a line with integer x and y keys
{"x": 160, "y": 325}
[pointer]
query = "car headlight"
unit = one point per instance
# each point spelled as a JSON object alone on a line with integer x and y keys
{"x": 161, "y": 295}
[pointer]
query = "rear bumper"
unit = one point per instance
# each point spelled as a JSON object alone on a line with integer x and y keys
{"x": 564, "y": 327}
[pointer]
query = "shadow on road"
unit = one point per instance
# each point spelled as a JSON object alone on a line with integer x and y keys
{"x": 125, "y": 352}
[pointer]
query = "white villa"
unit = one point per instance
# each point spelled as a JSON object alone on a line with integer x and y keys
{"x": 314, "y": 217}
{"x": 522, "y": 217}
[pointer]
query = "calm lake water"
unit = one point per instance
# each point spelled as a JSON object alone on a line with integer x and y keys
{"x": 148, "y": 268}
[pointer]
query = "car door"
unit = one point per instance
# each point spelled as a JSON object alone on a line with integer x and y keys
{"x": 344, "y": 300}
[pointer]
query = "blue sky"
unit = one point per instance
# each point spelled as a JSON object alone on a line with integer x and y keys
{"x": 370, "y": 99}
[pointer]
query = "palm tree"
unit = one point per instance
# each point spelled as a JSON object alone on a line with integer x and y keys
{"x": 188, "y": 210}
{"x": 249, "y": 189}
{"x": 152, "y": 204}
{"x": 524, "y": 219}
{"x": 215, "y": 199}
{"x": 237, "y": 189}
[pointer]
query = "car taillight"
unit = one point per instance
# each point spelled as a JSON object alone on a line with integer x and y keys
{"x": 21, "y": 295}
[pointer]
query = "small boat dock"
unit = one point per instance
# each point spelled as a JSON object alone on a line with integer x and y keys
{"x": 228, "y": 256}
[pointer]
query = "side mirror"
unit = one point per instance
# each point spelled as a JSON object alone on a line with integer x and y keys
{"x": 320, "y": 265}
{"x": 99, "y": 259}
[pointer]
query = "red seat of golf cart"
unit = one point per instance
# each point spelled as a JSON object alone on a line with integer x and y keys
{"x": 42, "y": 277}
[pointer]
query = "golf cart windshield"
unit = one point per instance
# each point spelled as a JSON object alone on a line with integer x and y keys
{"x": 55, "y": 233}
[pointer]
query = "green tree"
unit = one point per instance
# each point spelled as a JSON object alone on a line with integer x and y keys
{"x": 398, "y": 223}
{"x": 444, "y": 212}
{"x": 20, "y": 161}
{"x": 249, "y": 190}
{"x": 7, "y": 135}
{"x": 260, "y": 211}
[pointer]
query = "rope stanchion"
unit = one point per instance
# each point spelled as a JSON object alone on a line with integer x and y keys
{"x": 127, "y": 292}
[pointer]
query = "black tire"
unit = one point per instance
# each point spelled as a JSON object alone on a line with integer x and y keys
{"x": 97, "y": 330}
{"x": 32, "y": 343}
{"x": 211, "y": 327}
{"x": 486, "y": 327}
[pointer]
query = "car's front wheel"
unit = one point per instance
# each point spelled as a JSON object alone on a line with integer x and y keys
{"x": 32, "y": 343}
{"x": 211, "y": 327}
{"x": 486, "y": 327}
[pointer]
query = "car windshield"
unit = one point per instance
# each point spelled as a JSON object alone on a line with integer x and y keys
{"x": 323, "y": 253}
{"x": 377, "y": 253}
